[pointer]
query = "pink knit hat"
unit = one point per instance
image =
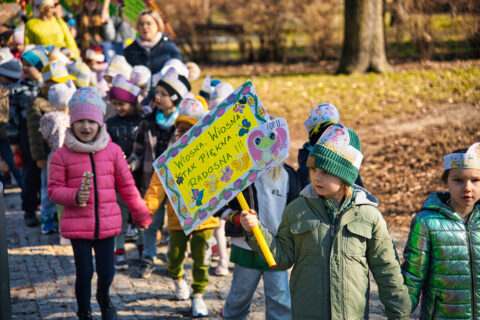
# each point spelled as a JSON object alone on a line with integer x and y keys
{"x": 86, "y": 103}
{"x": 124, "y": 90}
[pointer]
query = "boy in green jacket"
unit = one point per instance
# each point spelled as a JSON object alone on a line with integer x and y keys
{"x": 332, "y": 235}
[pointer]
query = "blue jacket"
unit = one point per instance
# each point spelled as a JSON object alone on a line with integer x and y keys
{"x": 156, "y": 57}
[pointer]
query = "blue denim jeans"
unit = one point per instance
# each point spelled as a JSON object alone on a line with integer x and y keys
{"x": 48, "y": 206}
{"x": 104, "y": 265}
{"x": 7, "y": 156}
{"x": 150, "y": 234}
{"x": 244, "y": 284}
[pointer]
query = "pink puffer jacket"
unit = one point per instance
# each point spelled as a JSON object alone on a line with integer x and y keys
{"x": 101, "y": 218}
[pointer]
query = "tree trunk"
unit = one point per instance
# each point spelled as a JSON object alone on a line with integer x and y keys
{"x": 363, "y": 44}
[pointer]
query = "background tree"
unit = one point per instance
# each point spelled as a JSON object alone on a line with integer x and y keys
{"x": 364, "y": 42}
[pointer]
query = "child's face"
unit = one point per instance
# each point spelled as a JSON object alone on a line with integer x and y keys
{"x": 16, "y": 47}
{"x": 109, "y": 80}
{"x": 123, "y": 108}
{"x": 30, "y": 71}
{"x": 325, "y": 184}
{"x": 181, "y": 129}
{"x": 162, "y": 99}
{"x": 85, "y": 130}
{"x": 464, "y": 187}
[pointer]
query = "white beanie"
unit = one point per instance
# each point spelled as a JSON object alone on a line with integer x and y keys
{"x": 59, "y": 94}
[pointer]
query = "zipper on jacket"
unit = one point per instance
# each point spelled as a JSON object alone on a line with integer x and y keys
{"x": 472, "y": 281}
{"x": 97, "y": 227}
{"x": 434, "y": 311}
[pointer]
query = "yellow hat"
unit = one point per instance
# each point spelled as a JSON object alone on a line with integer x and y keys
{"x": 57, "y": 72}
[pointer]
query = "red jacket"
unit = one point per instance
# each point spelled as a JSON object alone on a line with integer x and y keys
{"x": 101, "y": 217}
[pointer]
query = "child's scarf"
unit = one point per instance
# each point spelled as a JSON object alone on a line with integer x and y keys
{"x": 166, "y": 124}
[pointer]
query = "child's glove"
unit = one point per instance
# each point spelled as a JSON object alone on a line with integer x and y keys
{"x": 249, "y": 219}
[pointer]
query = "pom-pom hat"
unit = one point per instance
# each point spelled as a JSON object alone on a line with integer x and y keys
{"x": 124, "y": 90}
{"x": 86, "y": 103}
{"x": 191, "y": 110}
{"x": 337, "y": 152}
{"x": 60, "y": 94}
{"x": 95, "y": 53}
{"x": 176, "y": 85}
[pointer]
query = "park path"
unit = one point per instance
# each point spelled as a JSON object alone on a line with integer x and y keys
{"x": 42, "y": 279}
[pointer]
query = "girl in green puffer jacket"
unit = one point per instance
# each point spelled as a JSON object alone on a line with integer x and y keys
{"x": 442, "y": 255}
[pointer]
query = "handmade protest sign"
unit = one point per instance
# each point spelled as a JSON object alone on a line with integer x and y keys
{"x": 220, "y": 156}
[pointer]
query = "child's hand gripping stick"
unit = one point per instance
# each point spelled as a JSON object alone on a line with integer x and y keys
{"x": 258, "y": 234}
{"x": 86, "y": 184}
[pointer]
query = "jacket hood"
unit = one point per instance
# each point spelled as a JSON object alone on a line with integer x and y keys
{"x": 362, "y": 195}
{"x": 437, "y": 201}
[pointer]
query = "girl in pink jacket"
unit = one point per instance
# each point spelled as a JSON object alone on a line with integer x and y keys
{"x": 92, "y": 218}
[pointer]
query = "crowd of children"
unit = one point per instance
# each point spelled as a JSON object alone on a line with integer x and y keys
{"x": 88, "y": 130}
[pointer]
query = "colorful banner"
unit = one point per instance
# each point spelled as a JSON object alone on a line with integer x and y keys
{"x": 221, "y": 155}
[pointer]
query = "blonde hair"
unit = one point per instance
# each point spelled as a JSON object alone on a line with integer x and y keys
{"x": 346, "y": 189}
{"x": 155, "y": 16}
{"x": 275, "y": 173}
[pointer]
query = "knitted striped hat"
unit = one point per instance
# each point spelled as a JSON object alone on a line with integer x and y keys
{"x": 86, "y": 103}
{"x": 337, "y": 152}
{"x": 176, "y": 85}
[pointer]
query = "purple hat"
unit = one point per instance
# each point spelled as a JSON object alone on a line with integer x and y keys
{"x": 124, "y": 90}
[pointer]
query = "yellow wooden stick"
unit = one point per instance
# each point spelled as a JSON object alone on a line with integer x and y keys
{"x": 258, "y": 234}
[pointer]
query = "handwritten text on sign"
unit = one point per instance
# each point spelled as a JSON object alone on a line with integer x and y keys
{"x": 210, "y": 163}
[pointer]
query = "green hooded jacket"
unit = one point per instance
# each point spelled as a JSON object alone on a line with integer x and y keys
{"x": 331, "y": 262}
{"x": 442, "y": 261}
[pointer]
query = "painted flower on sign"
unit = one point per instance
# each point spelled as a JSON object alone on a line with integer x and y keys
{"x": 174, "y": 198}
{"x": 188, "y": 221}
{"x": 183, "y": 210}
{"x": 213, "y": 202}
{"x": 162, "y": 171}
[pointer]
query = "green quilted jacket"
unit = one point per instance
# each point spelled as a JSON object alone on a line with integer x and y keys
{"x": 331, "y": 262}
{"x": 442, "y": 261}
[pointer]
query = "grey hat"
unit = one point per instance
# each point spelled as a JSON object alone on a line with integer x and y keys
{"x": 11, "y": 68}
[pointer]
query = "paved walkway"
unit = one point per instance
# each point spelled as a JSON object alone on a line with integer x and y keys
{"x": 42, "y": 276}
